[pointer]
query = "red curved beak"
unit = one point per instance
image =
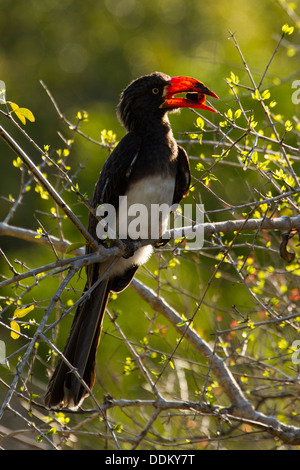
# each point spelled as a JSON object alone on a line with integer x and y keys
{"x": 195, "y": 94}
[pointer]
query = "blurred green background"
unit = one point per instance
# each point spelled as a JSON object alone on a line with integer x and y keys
{"x": 86, "y": 52}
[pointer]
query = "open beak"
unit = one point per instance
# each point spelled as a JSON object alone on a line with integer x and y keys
{"x": 195, "y": 94}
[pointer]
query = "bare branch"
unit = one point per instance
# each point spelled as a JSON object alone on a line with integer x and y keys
{"x": 240, "y": 406}
{"x": 48, "y": 187}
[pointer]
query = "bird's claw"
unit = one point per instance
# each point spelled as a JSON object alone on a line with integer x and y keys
{"x": 161, "y": 243}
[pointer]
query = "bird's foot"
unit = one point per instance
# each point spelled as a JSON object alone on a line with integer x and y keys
{"x": 161, "y": 243}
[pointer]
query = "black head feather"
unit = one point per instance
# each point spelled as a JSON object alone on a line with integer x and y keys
{"x": 142, "y": 99}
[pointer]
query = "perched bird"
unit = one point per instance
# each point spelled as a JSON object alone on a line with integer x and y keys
{"x": 148, "y": 167}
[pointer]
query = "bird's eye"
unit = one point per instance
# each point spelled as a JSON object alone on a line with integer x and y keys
{"x": 155, "y": 91}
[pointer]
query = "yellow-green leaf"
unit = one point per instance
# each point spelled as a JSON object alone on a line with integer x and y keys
{"x": 21, "y": 312}
{"x": 200, "y": 123}
{"x": 282, "y": 343}
{"x": 13, "y": 106}
{"x": 82, "y": 116}
{"x": 39, "y": 233}
{"x": 234, "y": 79}
{"x": 15, "y": 326}
{"x": 253, "y": 124}
{"x": 22, "y": 113}
{"x": 266, "y": 95}
{"x": 288, "y": 125}
{"x": 41, "y": 191}
{"x": 17, "y": 163}
{"x": 229, "y": 114}
{"x": 237, "y": 113}
{"x": 255, "y": 95}
{"x": 15, "y": 109}
{"x": 286, "y": 29}
{"x": 27, "y": 114}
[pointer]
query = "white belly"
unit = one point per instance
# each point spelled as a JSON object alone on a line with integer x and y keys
{"x": 144, "y": 214}
{"x": 147, "y": 208}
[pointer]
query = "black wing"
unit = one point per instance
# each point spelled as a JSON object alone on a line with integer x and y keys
{"x": 114, "y": 176}
{"x": 183, "y": 176}
{"x": 112, "y": 183}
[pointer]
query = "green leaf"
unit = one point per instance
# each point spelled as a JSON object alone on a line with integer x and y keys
{"x": 17, "y": 163}
{"x": 118, "y": 427}
{"x": 237, "y": 113}
{"x": 265, "y": 95}
{"x": 21, "y": 312}
{"x": 187, "y": 322}
{"x": 234, "y": 79}
{"x": 15, "y": 326}
{"x": 75, "y": 246}
{"x": 287, "y": 30}
{"x": 82, "y": 116}
{"x": 39, "y": 233}
{"x": 38, "y": 189}
{"x": 288, "y": 125}
{"x": 200, "y": 123}
{"x": 129, "y": 365}
{"x": 108, "y": 137}
{"x": 182, "y": 323}
{"x": 13, "y": 106}
{"x": 282, "y": 343}
{"x": 76, "y": 188}
{"x": 229, "y": 114}
{"x": 22, "y": 113}
{"x": 254, "y": 157}
{"x": 27, "y": 114}
{"x": 61, "y": 417}
{"x": 253, "y": 124}
{"x": 200, "y": 167}
{"x": 255, "y": 95}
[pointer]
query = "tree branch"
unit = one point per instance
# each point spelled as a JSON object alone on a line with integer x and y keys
{"x": 38, "y": 175}
{"x": 241, "y": 407}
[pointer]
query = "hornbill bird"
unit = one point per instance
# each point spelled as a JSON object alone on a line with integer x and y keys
{"x": 149, "y": 168}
